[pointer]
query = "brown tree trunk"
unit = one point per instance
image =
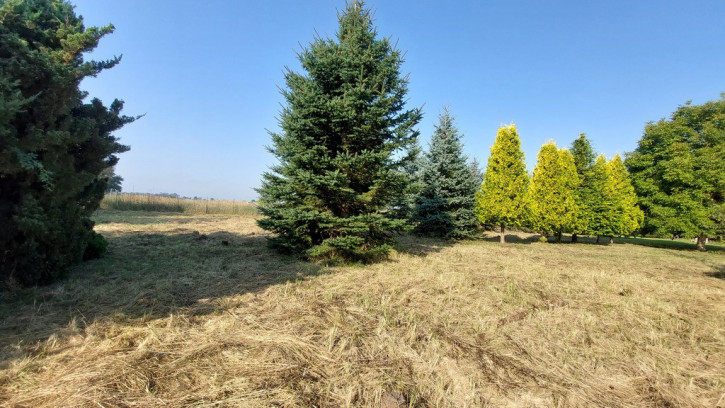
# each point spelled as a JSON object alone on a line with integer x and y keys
{"x": 558, "y": 236}
{"x": 574, "y": 238}
{"x": 597, "y": 239}
{"x": 701, "y": 243}
{"x": 503, "y": 237}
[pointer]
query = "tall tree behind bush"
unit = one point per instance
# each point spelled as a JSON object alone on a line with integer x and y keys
{"x": 53, "y": 145}
{"x": 342, "y": 146}
{"x": 629, "y": 216}
{"x": 603, "y": 211}
{"x": 678, "y": 171}
{"x": 583, "y": 154}
{"x": 502, "y": 197}
{"x": 445, "y": 205}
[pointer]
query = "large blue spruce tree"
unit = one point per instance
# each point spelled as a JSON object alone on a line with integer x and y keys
{"x": 344, "y": 140}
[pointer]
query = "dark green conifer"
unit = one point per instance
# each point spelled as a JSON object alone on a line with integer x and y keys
{"x": 602, "y": 208}
{"x": 344, "y": 139}
{"x": 53, "y": 144}
{"x": 583, "y": 154}
{"x": 445, "y": 206}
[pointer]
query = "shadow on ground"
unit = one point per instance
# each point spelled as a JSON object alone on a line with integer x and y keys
{"x": 416, "y": 245}
{"x": 513, "y": 238}
{"x": 149, "y": 275}
{"x": 718, "y": 273}
{"x": 663, "y": 243}
{"x": 145, "y": 276}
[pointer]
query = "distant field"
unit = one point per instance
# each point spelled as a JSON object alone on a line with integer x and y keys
{"x": 155, "y": 203}
{"x": 195, "y": 310}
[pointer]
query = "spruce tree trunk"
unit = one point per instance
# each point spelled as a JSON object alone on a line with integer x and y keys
{"x": 574, "y": 238}
{"x": 701, "y": 243}
{"x": 503, "y": 237}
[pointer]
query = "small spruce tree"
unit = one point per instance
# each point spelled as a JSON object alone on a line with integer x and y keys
{"x": 344, "y": 132}
{"x": 403, "y": 206}
{"x": 445, "y": 205}
{"x": 502, "y": 197}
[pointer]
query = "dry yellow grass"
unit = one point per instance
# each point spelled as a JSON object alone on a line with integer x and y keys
{"x": 155, "y": 203}
{"x": 215, "y": 319}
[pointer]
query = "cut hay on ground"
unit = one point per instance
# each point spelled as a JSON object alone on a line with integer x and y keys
{"x": 196, "y": 311}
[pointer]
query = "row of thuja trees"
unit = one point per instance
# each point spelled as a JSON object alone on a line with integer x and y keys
{"x": 349, "y": 172}
{"x": 569, "y": 192}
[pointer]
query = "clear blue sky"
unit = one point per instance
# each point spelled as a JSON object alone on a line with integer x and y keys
{"x": 207, "y": 74}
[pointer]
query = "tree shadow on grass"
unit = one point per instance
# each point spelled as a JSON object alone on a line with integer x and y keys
{"x": 145, "y": 276}
{"x": 719, "y": 272}
{"x": 678, "y": 244}
{"x": 417, "y": 245}
{"x": 513, "y": 238}
{"x": 663, "y": 243}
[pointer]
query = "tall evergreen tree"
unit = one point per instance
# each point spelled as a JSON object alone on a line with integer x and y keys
{"x": 553, "y": 193}
{"x": 583, "y": 154}
{"x": 678, "y": 171}
{"x": 445, "y": 206}
{"x": 629, "y": 217}
{"x": 343, "y": 129}
{"x": 53, "y": 144}
{"x": 114, "y": 181}
{"x": 603, "y": 210}
{"x": 502, "y": 197}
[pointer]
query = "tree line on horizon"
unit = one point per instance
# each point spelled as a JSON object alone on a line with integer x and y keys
{"x": 350, "y": 171}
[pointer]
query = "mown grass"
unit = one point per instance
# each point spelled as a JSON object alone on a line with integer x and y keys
{"x": 192, "y": 310}
{"x": 155, "y": 203}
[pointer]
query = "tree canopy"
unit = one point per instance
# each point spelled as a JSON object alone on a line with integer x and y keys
{"x": 678, "y": 171}
{"x": 344, "y": 139}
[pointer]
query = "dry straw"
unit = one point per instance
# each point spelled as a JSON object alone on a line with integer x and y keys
{"x": 176, "y": 318}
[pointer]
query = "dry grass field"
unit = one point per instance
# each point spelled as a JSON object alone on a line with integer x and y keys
{"x": 155, "y": 203}
{"x": 195, "y": 311}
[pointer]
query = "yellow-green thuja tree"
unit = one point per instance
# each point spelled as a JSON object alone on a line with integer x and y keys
{"x": 502, "y": 197}
{"x": 628, "y": 217}
{"x": 553, "y": 197}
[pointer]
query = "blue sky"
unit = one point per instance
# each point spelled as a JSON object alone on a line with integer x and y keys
{"x": 207, "y": 74}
